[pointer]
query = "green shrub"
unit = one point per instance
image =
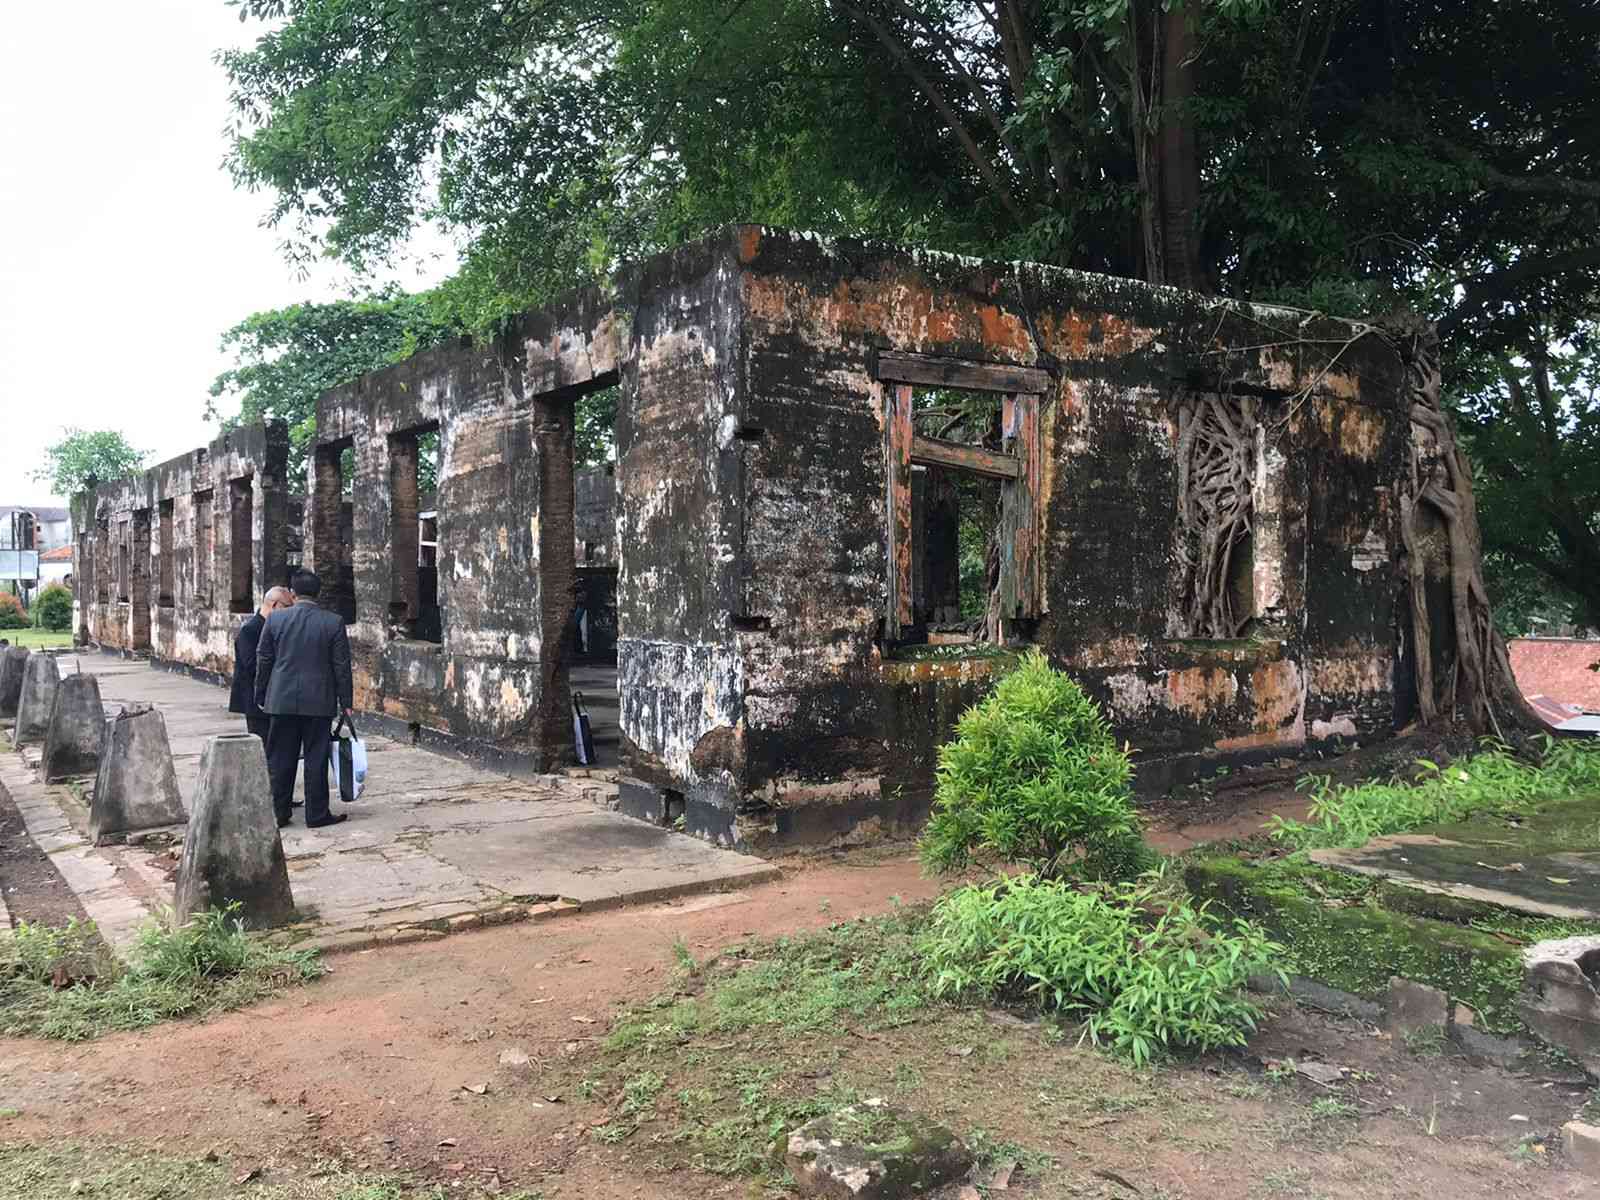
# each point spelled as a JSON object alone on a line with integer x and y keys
{"x": 52, "y": 608}
{"x": 1493, "y": 780}
{"x": 1145, "y": 976}
{"x": 12, "y": 614}
{"x": 1034, "y": 777}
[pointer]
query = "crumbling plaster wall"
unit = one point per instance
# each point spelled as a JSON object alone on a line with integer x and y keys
{"x": 192, "y": 623}
{"x": 828, "y": 734}
{"x": 496, "y": 680}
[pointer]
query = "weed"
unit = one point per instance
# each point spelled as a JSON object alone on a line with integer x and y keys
{"x": 613, "y": 1132}
{"x": 1428, "y": 1041}
{"x": 1145, "y": 983}
{"x": 208, "y": 965}
{"x": 1332, "y": 1108}
{"x": 640, "y": 1092}
{"x": 683, "y": 958}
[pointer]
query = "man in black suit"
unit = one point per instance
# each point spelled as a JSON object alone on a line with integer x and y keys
{"x": 303, "y": 681}
{"x": 243, "y": 697}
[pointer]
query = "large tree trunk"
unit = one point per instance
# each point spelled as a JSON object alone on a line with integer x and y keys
{"x": 1439, "y": 525}
{"x": 1162, "y": 53}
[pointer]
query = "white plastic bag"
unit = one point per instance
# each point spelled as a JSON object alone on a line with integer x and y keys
{"x": 348, "y": 762}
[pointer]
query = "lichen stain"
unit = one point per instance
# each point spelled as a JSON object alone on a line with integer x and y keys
{"x": 1276, "y": 691}
{"x": 1072, "y": 335}
{"x": 1199, "y": 690}
{"x": 1354, "y": 428}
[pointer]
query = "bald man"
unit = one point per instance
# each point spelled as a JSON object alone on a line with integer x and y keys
{"x": 243, "y": 698}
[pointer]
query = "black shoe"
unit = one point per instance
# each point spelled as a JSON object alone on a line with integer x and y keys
{"x": 285, "y": 822}
{"x": 329, "y": 820}
{"x": 297, "y": 804}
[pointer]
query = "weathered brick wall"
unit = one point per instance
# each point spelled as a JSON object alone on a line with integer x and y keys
{"x": 834, "y": 735}
{"x": 180, "y": 548}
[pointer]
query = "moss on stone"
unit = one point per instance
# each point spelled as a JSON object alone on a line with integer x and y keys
{"x": 1340, "y": 932}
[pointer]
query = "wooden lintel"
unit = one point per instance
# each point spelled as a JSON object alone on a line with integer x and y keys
{"x": 931, "y": 452}
{"x": 928, "y": 370}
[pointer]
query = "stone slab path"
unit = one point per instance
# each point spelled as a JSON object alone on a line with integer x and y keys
{"x": 434, "y": 843}
{"x": 1545, "y": 864}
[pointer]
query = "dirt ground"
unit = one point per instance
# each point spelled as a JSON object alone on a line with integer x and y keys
{"x": 34, "y": 890}
{"x": 394, "y": 1063}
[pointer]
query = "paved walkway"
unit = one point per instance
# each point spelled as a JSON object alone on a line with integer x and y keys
{"x": 432, "y": 845}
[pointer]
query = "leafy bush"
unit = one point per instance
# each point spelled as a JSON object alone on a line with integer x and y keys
{"x": 1146, "y": 975}
{"x": 1493, "y": 780}
{"x": 208, "y": 965}
{"x": 52, "y": 608}
{"x": 1033, "y": 776}
{"x": 12, "y": 614}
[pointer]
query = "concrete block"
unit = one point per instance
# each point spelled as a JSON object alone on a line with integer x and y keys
{"x": 40, "y": 676}
{"x": 13, "y": 659}
{"x": 233, "y": 853}
{"x": 136, "y": 787}
{"x": 1559, "y": 1000}
{"x": 77, "y": 729}
{"x": 1414, "y": 1007}
{"x": 1582, "y": 1144}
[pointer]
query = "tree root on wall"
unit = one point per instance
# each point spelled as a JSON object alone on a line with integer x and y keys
{"x": 1478, "y": 685}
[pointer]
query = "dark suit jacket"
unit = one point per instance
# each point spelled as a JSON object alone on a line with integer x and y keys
{"x": 243, "y": 697}
{"x": 303, "y": 662}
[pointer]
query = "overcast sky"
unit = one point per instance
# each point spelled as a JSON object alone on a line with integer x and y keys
{"x": 124, "y": 249}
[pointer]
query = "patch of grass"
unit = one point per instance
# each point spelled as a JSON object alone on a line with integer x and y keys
{"x": 62, "y": 983}
{"x": 67, "y": 1171}
{"x": 38, "y": 639}
{"x": 867, "y": 971}
{"x": 1493, "y": 780}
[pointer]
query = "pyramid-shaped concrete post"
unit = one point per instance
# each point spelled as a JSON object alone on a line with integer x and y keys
{"x": 13, "y": 661}
{"x": 232, "y": 852}
{"x": 39, "y": 679}
{"x": 136, "y": 787}
{"x": 77, "y": 727}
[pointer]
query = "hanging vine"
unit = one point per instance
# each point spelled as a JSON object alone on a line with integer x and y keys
{"x": 1437, "y": 498}
{"x": 1216, "y": 468}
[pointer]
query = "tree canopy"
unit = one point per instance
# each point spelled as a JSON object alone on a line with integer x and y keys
{"x": 1348, "y": 153}
{"x": 287, "y": 357}
{"x": 102, "y": 455}
{"x": 1355, "y": 156}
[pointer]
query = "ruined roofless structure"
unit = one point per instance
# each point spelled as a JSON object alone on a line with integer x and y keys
{"x": 847, "y": 477}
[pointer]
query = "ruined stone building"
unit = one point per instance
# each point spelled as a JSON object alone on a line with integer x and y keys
{"x": 849, "y": 482}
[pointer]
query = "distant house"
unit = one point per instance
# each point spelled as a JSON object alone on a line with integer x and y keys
{"x": 1555, "y": 676}
{"x": 27, "y": 532}
{"x": 55, "y": 566}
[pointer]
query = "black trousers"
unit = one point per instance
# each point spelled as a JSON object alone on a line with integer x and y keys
{"x": 288, "y": 739}
{"x": 258, "y": 725}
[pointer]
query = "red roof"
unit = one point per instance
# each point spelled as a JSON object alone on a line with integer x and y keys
{"x": 59, "y": 554}
{"x": 1559, "y": 669}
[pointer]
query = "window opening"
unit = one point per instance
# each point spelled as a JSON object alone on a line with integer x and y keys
{"x": 102, "y": 554}
{"x": 333, "y": 526}
{"x": 164, "y": 549}
{"x": 964, "y": 467}
{"x": 204, "y": 547}
{"x": 414, "y": 568}
{"x": 124, "y": 559}
{"x": 241, "y": 545}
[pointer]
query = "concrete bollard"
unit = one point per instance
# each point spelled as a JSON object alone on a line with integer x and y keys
{"x": 232, "y": 852}
{"x": 77, "y": 727}
{"x": 39, "y": 680}
{"x": 136, "y": 787}
{"x": 13, "y": 662}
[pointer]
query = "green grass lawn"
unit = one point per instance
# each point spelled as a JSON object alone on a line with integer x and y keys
{"x": 37, "y": 639}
